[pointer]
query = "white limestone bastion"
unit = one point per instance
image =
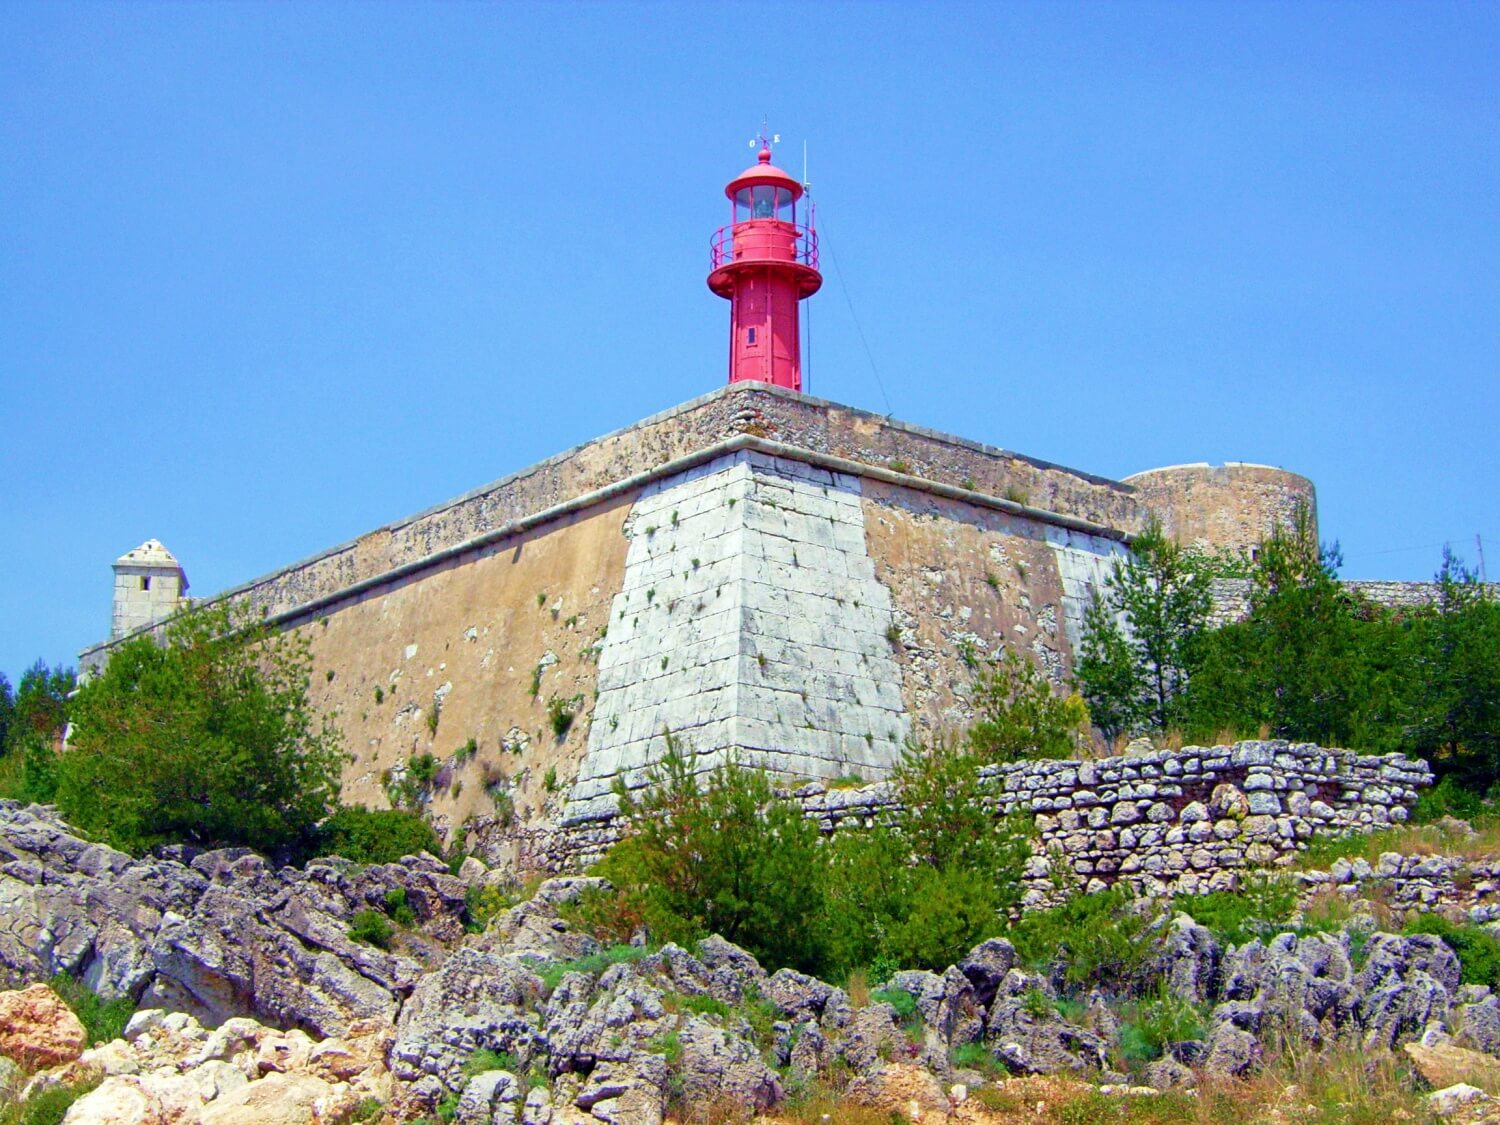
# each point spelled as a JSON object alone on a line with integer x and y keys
{"x": 751, "y": 626}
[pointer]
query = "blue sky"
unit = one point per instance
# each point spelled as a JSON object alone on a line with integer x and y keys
{"x": 274, "y": 275}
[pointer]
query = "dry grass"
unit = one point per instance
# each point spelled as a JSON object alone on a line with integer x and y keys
{"x": 858, "y": 988}
{"x": 1339, "y": 1084}
{"x": 1417, "y": 839}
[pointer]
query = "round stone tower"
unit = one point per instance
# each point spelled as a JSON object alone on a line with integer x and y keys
{"x": 1224, "y": 507}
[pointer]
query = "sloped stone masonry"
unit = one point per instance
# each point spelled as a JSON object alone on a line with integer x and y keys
{"x": 749, "y": 624}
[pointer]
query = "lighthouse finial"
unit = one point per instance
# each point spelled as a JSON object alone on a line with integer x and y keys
{"x": 765, "y": 139}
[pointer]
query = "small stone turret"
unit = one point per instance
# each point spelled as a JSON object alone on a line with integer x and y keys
{"x": 149, "y": 586}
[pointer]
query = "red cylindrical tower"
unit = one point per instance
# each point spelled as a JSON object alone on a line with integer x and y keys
{"x": 764, "y": 262}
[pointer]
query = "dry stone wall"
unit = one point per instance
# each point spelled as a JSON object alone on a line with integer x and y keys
{"x": 1231, "y": 596}
{"x": 1167, "y": 822}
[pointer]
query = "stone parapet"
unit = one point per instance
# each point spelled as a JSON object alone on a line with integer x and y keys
{"x": 824, "y": 433}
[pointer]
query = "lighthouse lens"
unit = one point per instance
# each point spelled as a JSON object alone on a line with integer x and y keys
{"x": 763, "y": 204}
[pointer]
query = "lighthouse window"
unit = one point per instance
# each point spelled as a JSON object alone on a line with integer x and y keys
{"x": 763, "y": 201}
{"x": 145, "y": 583}
{"x": 750, "y": 337}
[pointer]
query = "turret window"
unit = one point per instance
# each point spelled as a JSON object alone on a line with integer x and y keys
{"x": 145, "y": 582}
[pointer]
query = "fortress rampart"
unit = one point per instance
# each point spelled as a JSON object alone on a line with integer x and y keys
{"x": 770, "y": 576}
{"x": 1228, "y": 507}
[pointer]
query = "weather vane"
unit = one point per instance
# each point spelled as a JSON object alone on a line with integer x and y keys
{"x": 766, "y": 138}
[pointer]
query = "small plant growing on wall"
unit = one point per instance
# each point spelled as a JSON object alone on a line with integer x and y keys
{"x": 379, "y": 694}
{"x": 541, "y": 599}
{"x": 1016, "y": 494}
{"x": 893, "y": 634}
{"x": 550, "y": 781}
{"x": 434, "y": 713}
{"x": 561, "y": 713}
{"x": 899, "y": 466}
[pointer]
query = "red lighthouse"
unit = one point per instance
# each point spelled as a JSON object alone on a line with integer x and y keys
{"x": 764, "y": 262}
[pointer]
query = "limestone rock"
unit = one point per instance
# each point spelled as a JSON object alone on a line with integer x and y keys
{"x": 475, "y": 1001}
{"x": 38, "y": 1030}
{"x": 117, "y": 1101}
{"x": 1448, "y": 1065}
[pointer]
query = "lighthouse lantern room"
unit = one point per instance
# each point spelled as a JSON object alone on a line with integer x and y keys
{"x": 764, "y": 262}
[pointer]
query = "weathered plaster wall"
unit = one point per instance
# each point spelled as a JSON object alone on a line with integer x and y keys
{"x": 626, "y": 459}
{"x": 1231, "y": 506}
{"x": 968, "y": 580}
{"x": 468, "y": 637}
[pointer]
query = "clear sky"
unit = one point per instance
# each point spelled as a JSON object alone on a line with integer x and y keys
{"x": 274, "y": 275}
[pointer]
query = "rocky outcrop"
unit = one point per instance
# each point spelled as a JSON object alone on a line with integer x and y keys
{"x": 282, "y": 1017}
{"x": 215, "y": 934}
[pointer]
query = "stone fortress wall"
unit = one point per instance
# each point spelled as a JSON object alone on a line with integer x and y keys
{"x": 1224, "y": 506}
{"x": 768, "y": 575}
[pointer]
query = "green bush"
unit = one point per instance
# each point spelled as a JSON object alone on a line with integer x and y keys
{"x": 1018, "y": 716}
{"x": 553, "y": 972}
{"x": 724, "y": 857}
{"x": 104, "y": 1020}
{"x": 1258, "y": 908}
{"x": 49, "y": 1106}
{"x": 1152, "y": 1025}
{"x": 1449, "y": 798}
{"x": 371, "y": 927}
{"x": 921, "y": 891}
{"x": 207, "y": 738}
{"x": 485, "y": 1059}
{"x": 376, "y": 835}
{"x": 1477, "y": 948}
{"x": 902, "y": 1001}
{"x": 398, "y": 909}
{"x": 1096, "y": 940}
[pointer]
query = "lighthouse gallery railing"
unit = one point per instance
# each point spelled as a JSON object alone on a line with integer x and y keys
{"x": 804, "y": 245}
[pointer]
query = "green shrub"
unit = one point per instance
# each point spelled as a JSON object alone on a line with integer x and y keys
{"x": 561, "y": 713}
{"x": 371, "y": 927}
{"x": 206, "y": 738}
{"x": 49, "y": 1106}
{"x": 1259, "y": 907}
{"x": 481, "y": 903}
{"x": 1100, "y": 939}
{"x": 705, "y": 1005}
{"x": 1449, "y": 798}
{"x": 922, "y": 890}
{"x": 1017, "y": 714}
{"x": 553, "y": 972}
{"x": 376, "y": 835}
{"x": 485, "y": 1059}
{"x": 398, "y": 909}
{"x": 1152, "y": 1025}
{"x": 902, "y": 1001}
{"x": 726, "y": 858}
{"x": 104, "y": 1020}
{"x": 1478, "y": 949}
